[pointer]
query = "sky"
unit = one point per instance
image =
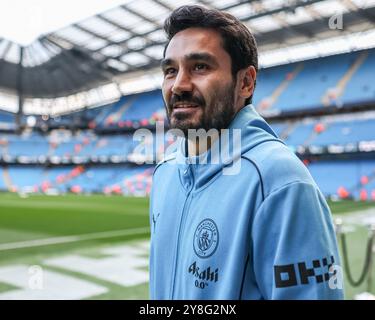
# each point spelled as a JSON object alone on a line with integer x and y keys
{"x": 22, "y": 21}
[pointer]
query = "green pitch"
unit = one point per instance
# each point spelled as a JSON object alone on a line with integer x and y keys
{"x": 83, "y": 242}
{"x": 110, "y": 221}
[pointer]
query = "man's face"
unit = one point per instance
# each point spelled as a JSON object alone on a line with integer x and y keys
{"x": 198, "y": 86}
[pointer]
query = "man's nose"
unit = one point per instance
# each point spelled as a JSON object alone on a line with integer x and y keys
{"x": 182, "y": 83}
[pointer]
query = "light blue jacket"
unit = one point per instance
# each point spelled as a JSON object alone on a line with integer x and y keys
{"x": 264, "y": 233}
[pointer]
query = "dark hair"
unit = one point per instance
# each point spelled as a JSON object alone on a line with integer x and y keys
{"x": 238, "y": 41}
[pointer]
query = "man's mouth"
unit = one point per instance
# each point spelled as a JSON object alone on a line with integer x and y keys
{"x": 184, "y": 106}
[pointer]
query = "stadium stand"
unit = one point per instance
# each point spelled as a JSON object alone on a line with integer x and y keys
{"x": 104, "y": 159}
{"x": 328, "y": 131}
{"x": 329, "y": 81}
{"x": 7, "y": 120}
{"x": 123, "y": 179}
{"x": 322, "y": 106}
{"x": 137, "y": 108}
{"x": 355, "y": 177}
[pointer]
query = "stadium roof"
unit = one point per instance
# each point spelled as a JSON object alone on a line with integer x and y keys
{"x": 129, "y": 38}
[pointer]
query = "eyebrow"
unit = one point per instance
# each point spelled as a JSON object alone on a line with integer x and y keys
{"x": 165, "y": 62}
{"x": 203, "y": 56}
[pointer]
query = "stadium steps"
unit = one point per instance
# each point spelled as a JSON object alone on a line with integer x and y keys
{"x": 282, "y": 86}
{"x": 106, "y": 110}
{"x": 7, "y": 179}
{"x": 51, "y": 149}
{"x": 288, "y": 130}
{"x": 4, "y": 148}
{"x": 358, "y": 186}
{"x": 117, "y": 115}
{"x": 342, "y": 83}
{"x": 314, "y": 134}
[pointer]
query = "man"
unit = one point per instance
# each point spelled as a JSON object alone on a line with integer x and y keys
{"x": 263, "y": 232}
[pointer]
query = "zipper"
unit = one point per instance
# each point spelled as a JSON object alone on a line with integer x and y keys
{"x": 185, "y": 210}
{"x": 180, "y": 232}
{"x": 154, "y": 219}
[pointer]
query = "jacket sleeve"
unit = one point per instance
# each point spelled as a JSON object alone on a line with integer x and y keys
{"x": 294, "y": 248}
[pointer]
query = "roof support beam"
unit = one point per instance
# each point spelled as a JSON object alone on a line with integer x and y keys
{"x": 6, "y": 50}
{"x": 237, "y": 4}
{"x": 359, "y": 11}
{"x": 43, "y": 73}
{"x": 139, "y": 15}
{"x": 97, "y": 35}
{"x": 134, "y": 34}
{"x": 112, "y": 42}
{"x": 117, "y": 25}
{"x": 96, "y": 66}
{"x": 69, "y": 76}
{"x": 138, "y": 50}
{"x": 164, "y": 5}
{"x": 298, "y": 4}
{"x": 31, "y": 75}
{"x": 70, "y": 65}
{"x": 20, "y": 71}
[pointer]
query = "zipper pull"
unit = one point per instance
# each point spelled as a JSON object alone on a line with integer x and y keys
{"x": 154, "y": 220}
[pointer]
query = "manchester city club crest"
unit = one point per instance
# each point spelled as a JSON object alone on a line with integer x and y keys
{"x": 206, "y": 238}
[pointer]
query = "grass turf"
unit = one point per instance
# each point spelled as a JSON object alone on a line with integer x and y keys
{"x": 38, "y": 217}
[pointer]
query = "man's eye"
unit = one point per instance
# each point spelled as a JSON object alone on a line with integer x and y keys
{"x": 169, "y": 71}
{"x": 200, "y": 66}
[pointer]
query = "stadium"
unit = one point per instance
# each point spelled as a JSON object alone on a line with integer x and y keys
{"x": 75, "y": 179}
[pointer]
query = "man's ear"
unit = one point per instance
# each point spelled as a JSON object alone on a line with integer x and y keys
{"x": 246, "y": 79}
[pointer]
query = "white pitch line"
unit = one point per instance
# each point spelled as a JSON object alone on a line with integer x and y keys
{"x": 69, "y": 239}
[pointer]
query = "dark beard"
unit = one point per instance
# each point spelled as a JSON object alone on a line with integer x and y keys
{"x": 216, "y": 116}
